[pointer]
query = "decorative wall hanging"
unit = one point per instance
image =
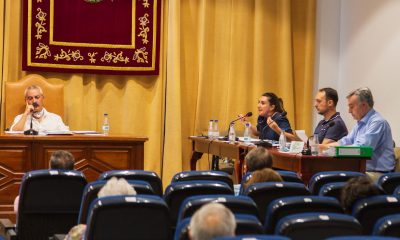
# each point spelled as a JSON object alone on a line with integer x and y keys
{"x": 92, "y": 36}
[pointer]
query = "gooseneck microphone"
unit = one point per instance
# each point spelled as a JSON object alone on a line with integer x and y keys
{"x": 307, "y": 151}
{"x": 32, "y": 131}
{"x": 249, "y": 114}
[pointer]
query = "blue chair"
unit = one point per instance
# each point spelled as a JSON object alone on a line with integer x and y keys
{"x": 254, "y": 237}
{"x": 148, "y": 176}
{"x": 177, "y": 192}
{"x": 363, "y": 237}
{"x": 245, "y": 178}
{"x": 321, "y": 178}
{"x": 369, "y": 210}
{"x": 92, "y": 189}
{"x": 317, "y": 226}
{"x": 203, "y": 175}
{"x": 289, "y": 176}
{"x": 264, "y": 193}
{"x": 396, "y": 191}
{"x": 49, "y": 203}
{"x": 389, "y": 182}
{"x": 291, "y": 205}
{"x": 333, "y": 189}
{"x": 237, "y": 204}
{"x": 128, "y": 217}
{"x": 388, "y": 226}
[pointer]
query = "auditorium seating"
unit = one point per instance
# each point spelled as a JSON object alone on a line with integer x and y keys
{"x": 92, "y": 189}
{"x": 317, "y": 226}
{"x": 389, "y": 182}
{"x": 128, "y": 217}
{"x": 203, "y": 175}
{"x": 388, "y": 226}
{"x": 264, "y": 193}
{"x": 321, "y": 178}
{"x": 49, "y": 203}
{"x": 282, "y": 207}
{"x": 254, "y": 237}
{"x": 369, "y": 210}
{"x": 333, "y": 189}
{"x": 289, "y": 176}
{"x": 148, "y": 176}
{"x": 237, "y": 204}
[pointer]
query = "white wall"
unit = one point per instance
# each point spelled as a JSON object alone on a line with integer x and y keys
{"x": 366, "y": 52}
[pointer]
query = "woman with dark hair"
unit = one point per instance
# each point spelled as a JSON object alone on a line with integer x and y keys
{"x": 272, "y": 119}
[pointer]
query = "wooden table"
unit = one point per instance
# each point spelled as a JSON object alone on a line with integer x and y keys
{"x": 305, "y": 166}
{"x": 93, "y": 154}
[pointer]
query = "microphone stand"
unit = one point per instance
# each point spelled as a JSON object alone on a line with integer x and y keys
{"x": 31, "y": 131}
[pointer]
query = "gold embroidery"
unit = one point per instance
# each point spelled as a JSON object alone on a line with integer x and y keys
{"x": 92, "y": 57}
{"x": 146, "y": 3}
{"x": 141, "y": 55}
{"x": 108, "y": 57}
{"x": 43, "y": 51}
{"x": 41, "y": 16}
{"x": 143, "y": 29}
{"x": 75, "y": 55}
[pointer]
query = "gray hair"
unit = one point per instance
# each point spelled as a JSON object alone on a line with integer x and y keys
{"x": 364, "y": 95}
{"x": 257, "y": 159}
{"x": 212, "y": 220}
{"x": 116, "y": 186}
{"x": 62, "y": 160}
{"x": 33, "y": 87}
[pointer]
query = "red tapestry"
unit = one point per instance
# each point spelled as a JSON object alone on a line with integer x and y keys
{"x": 92, "y": 36}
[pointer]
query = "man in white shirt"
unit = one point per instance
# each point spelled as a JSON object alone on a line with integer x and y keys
{"x": 42, "y": 120}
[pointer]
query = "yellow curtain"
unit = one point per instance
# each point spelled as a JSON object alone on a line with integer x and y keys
{"x": 217, "y": 58}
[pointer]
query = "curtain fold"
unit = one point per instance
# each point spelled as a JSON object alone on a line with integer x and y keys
{"x": 217, "y": 58}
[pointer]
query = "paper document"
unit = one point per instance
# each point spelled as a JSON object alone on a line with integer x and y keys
{"x": 85, "y": 132}
{"x": 302, "y": 135}
{"x": 14, "y": 132}
{"x": 57, "y": 132}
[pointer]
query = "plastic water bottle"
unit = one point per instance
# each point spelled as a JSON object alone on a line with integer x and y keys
{"x": 282, "y": 141}
{"x": 232, "y": 134}
{"x": 106, "y": 124}
{"x": 246, "y": 134}
{"x": 215, "y": 129}
{"x": 211, "y": 130}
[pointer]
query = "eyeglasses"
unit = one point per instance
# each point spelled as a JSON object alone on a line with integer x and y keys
{"x": 31, "y": 98}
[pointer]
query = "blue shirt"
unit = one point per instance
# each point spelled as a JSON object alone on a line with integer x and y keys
{"x": 334, "y": 132}
{"x": 266, "y": 131}
{"x": 373, "y": 130}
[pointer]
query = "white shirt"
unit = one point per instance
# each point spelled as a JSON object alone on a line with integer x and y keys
{"x": 50, "y": 122}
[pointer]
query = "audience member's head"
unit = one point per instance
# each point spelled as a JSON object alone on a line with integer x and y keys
{"x": 356, "y": 189}
{"x": 76, "y": 233}
{"x": 263, "y": 175}
{"x": 257, "y": 159}
{"x": 116, "y": 186}
{"x": 210, "y": 221}
{"x": 62, "y": 160}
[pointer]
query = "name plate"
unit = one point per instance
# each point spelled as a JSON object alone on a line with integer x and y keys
{"x": 354, "y": 151}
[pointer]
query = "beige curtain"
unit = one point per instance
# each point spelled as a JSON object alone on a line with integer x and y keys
{"x": 217, "y": 58}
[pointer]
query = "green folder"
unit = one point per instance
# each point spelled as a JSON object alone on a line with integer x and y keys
{"x": 354, "y": 151}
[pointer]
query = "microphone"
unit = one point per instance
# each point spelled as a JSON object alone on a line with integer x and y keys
{"x": 249, "y": 114}
{"x": 307, "y": 151}
{"x": 31, "y": 131}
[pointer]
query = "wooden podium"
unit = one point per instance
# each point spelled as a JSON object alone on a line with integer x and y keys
{"x": 93, "y": 154}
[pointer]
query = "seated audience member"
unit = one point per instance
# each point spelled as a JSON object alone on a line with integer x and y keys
{"x": 371, "y": 130}
{"x": 325, "y": 104}
{"x": 257, "y": 159}
{"x": 76, "y": 233}
{"x": 263, "y": 175}
{"x": 272, "y": 119}
{"x": 210, "y": 221}
{"x": 59, "y": 160}
{"x": 42, "y": 120}
{"x": 356, "y": 189}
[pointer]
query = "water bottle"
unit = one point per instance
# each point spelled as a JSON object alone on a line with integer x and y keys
{"x": 232, "y": 134}
{"x": 246, "y": 134}
{"x": 106, "y": 124}
{"x": 282, "y": 141}
{"x": 211, "y": 130}
{"x": 215, "y": 129}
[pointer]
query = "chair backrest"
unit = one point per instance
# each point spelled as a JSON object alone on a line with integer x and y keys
{"x": 92, "y": 189}
{"x": 15, "y": 101}
{"x": 177, "y": 192}
{"x": 291, "y": 205}
{"x": 362, "y": 237}
{"x": 321, "y": 178}
{"x": 396, "y": 191}
{"x": 203, "y": 175}
{"x": 369, "y": 210}
{"x": 289, "y": 176}
{"x": 388, "y": 226}
{"x": 128, "y": 217}
{"x": 254, "y": 237}
{"x": 148, "y": 176}
{"x": 49, "y": 202}
{"x": 389, "y": 181}
{"x": 237, "y": 204}
{"x": 317, "y": 226}
{"x": 264, "y": 193}
{"x": 333, "y": 189}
